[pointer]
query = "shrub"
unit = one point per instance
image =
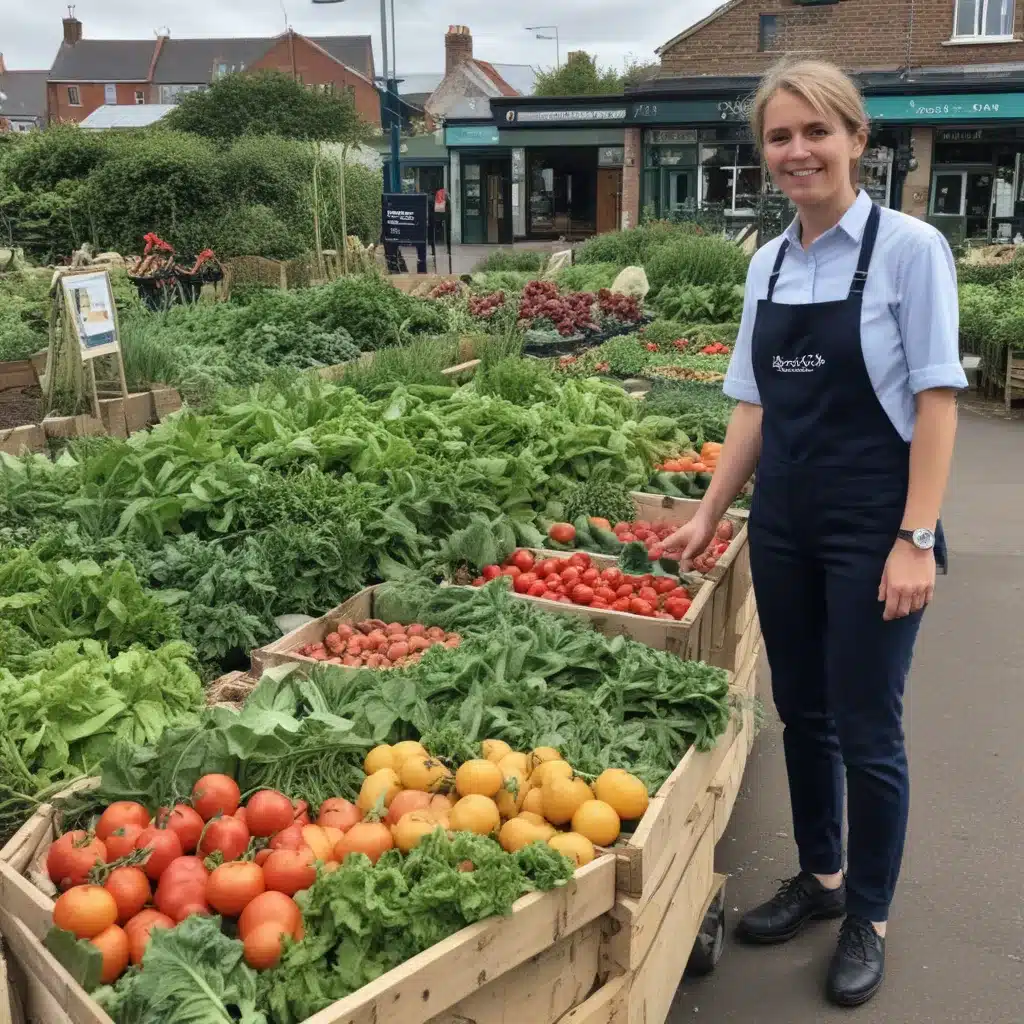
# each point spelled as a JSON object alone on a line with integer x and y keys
{"x": 696, "y": 259}
{"x": 986, "y": 273}
{"x": 587, "y": 277}
{"x": 629, "y": 248}
{"x": 526, "y": 260}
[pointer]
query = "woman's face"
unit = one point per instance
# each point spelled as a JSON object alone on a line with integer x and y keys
{"x": 809, "y": 156}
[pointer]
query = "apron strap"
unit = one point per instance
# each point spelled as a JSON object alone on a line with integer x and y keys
{"x": 867, "y": 248}
{"x": 774, "y": 279}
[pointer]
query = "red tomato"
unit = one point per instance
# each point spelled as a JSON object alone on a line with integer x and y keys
{"x": 571, "y": 574}
{"x": 612, "y": 576}
{"x": 655, "y": 551}
{"x": 641, "y": 524}
{"x": 562, "y": 533}
{"x": 288, "y": 871}
{"x": 232, "y": 887}
{"x": 665, "y": 585}
{"x": 164, "y": 846}
{"x": 677, "y": 607}
{"x": 546, "y": 568}
{"x": 113, "y": 944}
{"x": 523, "y": 559}
{"x": 625, "y": 590}
{"x": 537, "y": 589}
{"x": 648, "y": 594}
{"x": 139, "y": 929}
{"x": 240, "y": 815}
{"x": 522, "y": 584}
{"x": 598, "y": 603}
{"x": 478, "y": 582}
{"x": 185, "y": 821}
{"x": 640, "y": 533}
{"x": 180, "y": 897}
{"x": 289, "y": 838}
{"x": 229, "y": 835}
{"x": 724, "y": 530}
{"x": 72, "y": 857}
{"x": 122, "y": 812}
{"x": 268, "y": 812}
{"x": 491, "y": 572}
{"x": 552, "y": 580}
{"x": 338, "y": 813}
{"x": 640, "y": 607}
{"x": 580, "y": 559}
{"x": 301, "y": 812}
{"x": 190, "y": 869}
{"x": 270, "y": 906}
{"x": 605, "y": 594}
{"x": 512, "y": 570}
{"x": 130, "y": 889}
{"x": 621, "y": 604}
{"x": 720, "y": 549}
{"x": 121, "y": 841}
{"x": 627, "y": 538}
{"x": 621, "y": 527}
{"x": 590, "y": 576}
{"x": 215, "y": 794}
{"x": 582, "y": 594}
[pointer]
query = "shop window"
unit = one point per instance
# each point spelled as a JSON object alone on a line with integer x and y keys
{"x": 140, "y": 97}
{"x": 74, "y": 97}
{"x": 768, "y": 32}
{"x": 731, "y": 176}
{"x": 983, "y": 19}
{"x": 948, "y": 189}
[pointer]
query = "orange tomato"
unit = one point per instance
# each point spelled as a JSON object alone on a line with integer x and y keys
{"x": 113, "y": 943}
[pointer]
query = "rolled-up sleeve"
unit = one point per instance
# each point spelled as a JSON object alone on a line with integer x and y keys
{"x": 739, "y": 381}
{"x": 929, "y": 316}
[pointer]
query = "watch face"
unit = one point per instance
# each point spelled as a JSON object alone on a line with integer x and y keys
{"x": 924, "y": 539}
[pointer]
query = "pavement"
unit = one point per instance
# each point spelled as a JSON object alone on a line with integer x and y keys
{"x": 955, "y": 950}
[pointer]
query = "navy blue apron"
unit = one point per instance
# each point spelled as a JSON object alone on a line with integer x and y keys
{"x": 829, "y": 498}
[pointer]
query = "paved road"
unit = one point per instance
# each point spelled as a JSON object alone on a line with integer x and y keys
{"x": 956, "y": 940}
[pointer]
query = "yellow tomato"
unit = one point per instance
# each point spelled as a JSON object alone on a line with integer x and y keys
{"x": 561, "y": 798}
{"x": 383, "y": 783}
{"x": 425, "y": 774}
{"x": 623, "y": 792}
{"x": 598, "y": 822}
{"x": 495, "y": 750}
{"x": 478, "y": 777}
{"x": 380, "y": 757}
{"x": 475, "y": 813}
{"x": 579, "y": 849}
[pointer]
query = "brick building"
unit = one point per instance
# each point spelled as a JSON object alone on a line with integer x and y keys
{"x": 943, "y": 82}
{"x": 90, "y": 73}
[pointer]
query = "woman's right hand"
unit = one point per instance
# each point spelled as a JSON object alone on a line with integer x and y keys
{"x": 692, "y": 538}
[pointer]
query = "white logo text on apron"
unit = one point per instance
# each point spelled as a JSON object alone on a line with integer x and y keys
{"x": 805, "y": 364}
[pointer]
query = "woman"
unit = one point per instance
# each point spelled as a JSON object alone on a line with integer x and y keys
{"x": 846, "y": 369}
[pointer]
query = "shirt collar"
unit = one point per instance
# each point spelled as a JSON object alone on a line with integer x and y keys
{"x": 852, "y": 223}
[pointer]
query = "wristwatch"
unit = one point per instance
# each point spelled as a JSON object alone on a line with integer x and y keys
{"x": 922, "y": 539}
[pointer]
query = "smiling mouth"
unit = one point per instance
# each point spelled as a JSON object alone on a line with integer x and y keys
{"x": 805, "y": 172}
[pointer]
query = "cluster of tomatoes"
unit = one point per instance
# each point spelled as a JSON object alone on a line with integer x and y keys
{"x": 374, "y": 643}
{"x": 484, "y": 306}
{"x": 575, "y": 580}
{"x": 136, "y": 873}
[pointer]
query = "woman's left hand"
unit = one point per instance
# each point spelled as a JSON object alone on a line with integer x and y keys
{"x": 908, "y": 580}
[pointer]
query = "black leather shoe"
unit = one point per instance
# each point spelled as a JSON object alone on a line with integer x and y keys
{"x": 801, "y": 899}
{"x": 858, "y": 965}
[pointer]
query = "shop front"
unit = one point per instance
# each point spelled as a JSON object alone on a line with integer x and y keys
{"x": 537, "y": 172}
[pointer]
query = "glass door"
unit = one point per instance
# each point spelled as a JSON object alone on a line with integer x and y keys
{"x": 978, "y": 203}
{"x": 680, "y": 192}
{"x": 474, "y": 204}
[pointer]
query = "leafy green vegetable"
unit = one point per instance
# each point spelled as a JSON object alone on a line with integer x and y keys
{"x": 190, "y": 974}
{"x": 363, "y": 919}
{"x": 598, "y": 497}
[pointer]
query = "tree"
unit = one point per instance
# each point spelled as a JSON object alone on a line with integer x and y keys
{"x": 267, "y": 103}
{"x": 579, "y": 76}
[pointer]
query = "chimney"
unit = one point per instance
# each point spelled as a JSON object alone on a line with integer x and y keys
{"x": 458, "y": 47}
{"x": 3, "y": 66}
{"x": 72, "y": 28}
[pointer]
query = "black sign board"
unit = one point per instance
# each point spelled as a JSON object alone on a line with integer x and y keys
{"x": 406, "y": 218}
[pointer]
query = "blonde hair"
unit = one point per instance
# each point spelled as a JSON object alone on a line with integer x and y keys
{"x": 822, "y": 86}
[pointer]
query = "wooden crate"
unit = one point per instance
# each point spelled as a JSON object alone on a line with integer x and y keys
{"x": 22, "y": 440}
{"x": 690, "y": 637}
{"x": 545, "y": 932}
{"x": 731, "y": 575}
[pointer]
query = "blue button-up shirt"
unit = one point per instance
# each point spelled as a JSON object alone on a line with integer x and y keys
{"x": 910, "y": 319}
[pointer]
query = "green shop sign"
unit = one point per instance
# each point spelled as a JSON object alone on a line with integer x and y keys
{"x": 968, "y": 107}
{"x": 471, "y": 135}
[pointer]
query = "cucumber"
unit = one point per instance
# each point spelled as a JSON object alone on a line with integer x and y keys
{"x": 527, "y": 535}
{"x": 606, "y": 540}
{"x": 687, "y": 484}
{"x": 584, "y": 538}
{"x": 703, "y": 481}
{"x": 665, "y": 483}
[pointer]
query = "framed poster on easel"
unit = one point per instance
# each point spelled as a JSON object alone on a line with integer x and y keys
{"x": 89, "y": 315}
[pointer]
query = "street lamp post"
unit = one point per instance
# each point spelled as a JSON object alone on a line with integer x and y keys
{"x": 540, "y": 28}
{"x": 391, "y": 101}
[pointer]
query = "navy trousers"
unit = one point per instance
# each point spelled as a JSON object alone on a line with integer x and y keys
{"x": 819, "y": 539}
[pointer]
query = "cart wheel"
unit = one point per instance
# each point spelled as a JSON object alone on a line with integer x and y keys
{"x": 707, "y": 950}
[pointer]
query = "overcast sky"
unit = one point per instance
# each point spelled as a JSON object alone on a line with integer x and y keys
{"x": 613, "y": 29}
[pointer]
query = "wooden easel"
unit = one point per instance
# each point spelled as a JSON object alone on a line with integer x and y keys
{"x": 64, "y": 336}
